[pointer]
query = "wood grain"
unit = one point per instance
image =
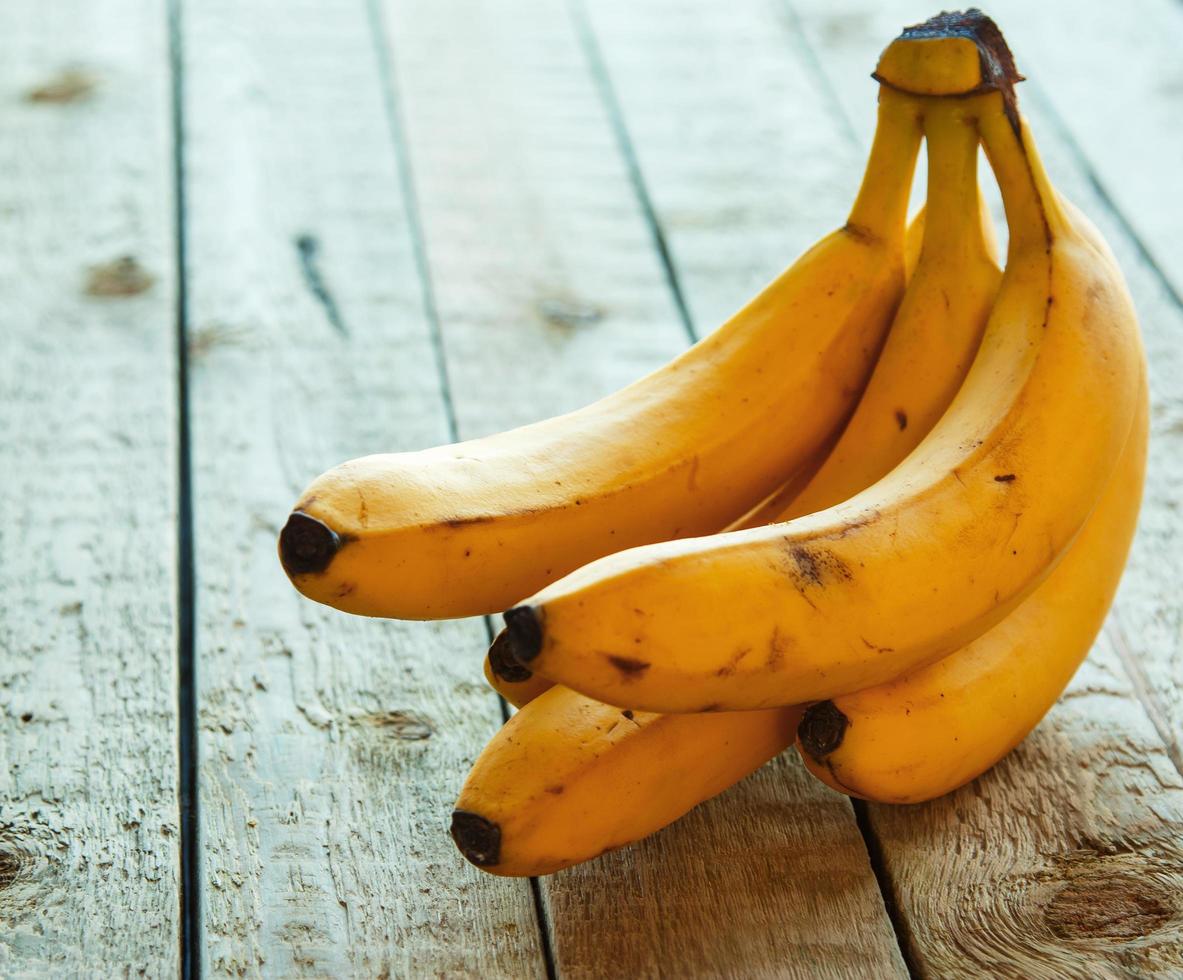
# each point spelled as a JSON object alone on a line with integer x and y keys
{"x": 549, "y": 289}
{"x": 88, "y": 813}
{"x": 331, "y": 746}
{"x": 1066, "y": 858}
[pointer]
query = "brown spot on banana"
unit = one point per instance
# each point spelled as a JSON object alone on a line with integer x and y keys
{"x": 629, "y": 667}
{"x": 456, "y": 522}
{"x": 729, "y": 668}
{"x": 777, "y": 646}
{"x": 816, "y": 567}
{"x": 859, "y": 233}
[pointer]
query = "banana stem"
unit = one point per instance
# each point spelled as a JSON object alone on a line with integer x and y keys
{"x": 951, "y": 140}
{"x": 1034, "y": 215}
{"x": 881, "y": 208}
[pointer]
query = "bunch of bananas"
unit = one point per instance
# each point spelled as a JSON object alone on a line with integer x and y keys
{"x": 881, "y": 512}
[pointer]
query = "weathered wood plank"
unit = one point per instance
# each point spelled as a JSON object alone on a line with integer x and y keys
{"x": 1114, "y": 75}
{"x": 88, "y": 727}
{"x": 528, "y": 213}
{"x": 550, "y": 292}
{"x": 331, "y": 746}
{"x": 1066, "y": 858}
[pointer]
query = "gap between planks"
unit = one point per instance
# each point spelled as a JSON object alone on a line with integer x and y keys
{"x": 384, "y": 58}
{"x": 188, "y": 797}
{"x": 383, "y": 40}
{"x": 606, "y": 92}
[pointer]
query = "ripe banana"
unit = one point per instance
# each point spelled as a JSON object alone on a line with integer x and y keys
{"x": 938, "y": 327}
{"x": 568, "y": 778}
{"x": 924, "y": 360}
{"x": 470, "y": 528}
{"x": 927, "y": 733}
{"x": 928, "y": 558}
{"x": 536, "y": 803}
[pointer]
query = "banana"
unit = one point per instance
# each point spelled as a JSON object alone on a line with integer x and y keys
{"x": 568, "y": 778}
{"x": 937, "y": 330}
{"x": 470, "y": 528}
{"x": 924, "y": 360}
{"x": 931, "y": 556}
{"x": 927, "y": 733}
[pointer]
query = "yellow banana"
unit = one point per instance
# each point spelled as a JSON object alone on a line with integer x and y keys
{"x": 470, "y": 528}
{"x": 568, "y": 778}
{"x": 927, "y": 733}
{"x": 928, "y": 558}
{"x": 537, "y": 801}
{"x": 923, "y": 362}
{"x": 938, "y": 327}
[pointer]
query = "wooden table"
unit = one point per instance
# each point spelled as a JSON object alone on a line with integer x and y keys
{"x": 243, "y": 240}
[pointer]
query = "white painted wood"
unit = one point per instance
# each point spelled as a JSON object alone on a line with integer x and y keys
{"x": 1019, "y": 872}
{"x": 1114, "y": 75}
{"x": 744, "y": 158}
{"x": 549, "y": 288}
{"x": 331, "y": 746}
{"x": 88, "y": 815}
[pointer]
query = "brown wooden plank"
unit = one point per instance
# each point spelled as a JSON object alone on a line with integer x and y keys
{"x": 88, "y": 723}
{"x": 331, "y": 745}
{"x": 1062, "y": 860}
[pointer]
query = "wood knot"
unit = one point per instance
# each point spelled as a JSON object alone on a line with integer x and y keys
{"x": 1107, "y": 906}
{"x": 71, "y": 84}
{"x": 122, "y": 277}
{"x": 10, "y": 866}
{"x": 563, "y": 313}
{"x": 402, "y": 724}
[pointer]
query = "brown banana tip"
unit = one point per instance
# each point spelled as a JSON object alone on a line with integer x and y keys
{"x": 998, "y": 64}
{"x": 479, "y": 839}
{"x": 822, "y": 729}
{"x": 523, "y": 624}
{"x": 502, "y": 663}
{"x": 306, "y": 545}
